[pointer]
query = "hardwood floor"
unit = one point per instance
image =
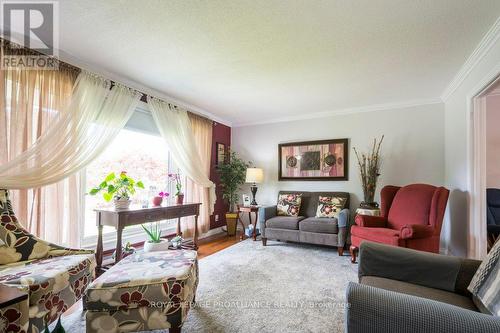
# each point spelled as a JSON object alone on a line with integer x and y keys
{"x": 207, "y": 246}
{"x": 215, "y": 243}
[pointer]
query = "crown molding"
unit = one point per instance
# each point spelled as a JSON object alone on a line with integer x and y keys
{"x": 340, "y": 112}
{"x": 72, "y": 60}
{"x": 477, "y": 55}
{"x": 75, "y": 61}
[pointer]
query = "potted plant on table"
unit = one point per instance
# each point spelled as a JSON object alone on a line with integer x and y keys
{"x": 369, "y": 169}
{"x": 118, "y": 188}
{"x": 176, "y": 178}
{"x": 157, "y": 200}
{"x": 176, "y": 242}
{"x": 154, "y": 241}
{"x": 232, "y": 175}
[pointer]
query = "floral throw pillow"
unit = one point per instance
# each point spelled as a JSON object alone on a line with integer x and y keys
{"x": 289, "y": 204}
{"x": 330, "y": 206}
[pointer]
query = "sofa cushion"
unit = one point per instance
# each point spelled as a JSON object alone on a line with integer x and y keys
{"x": 289, "y": 204}
{"x": 319, "y": 225}
{"x": 309, "y": 200}
{"x": 312, "y": 204}
{"x": 329, "y": 206}
{"x": 420, "y": 291}
{"x": 284, "y": 222}
{"x": 378, "y": 235}
{"x": 64, "y": 278}
{"x": 143, "y": 279}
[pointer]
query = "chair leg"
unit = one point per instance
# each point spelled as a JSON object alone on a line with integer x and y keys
{"x": 340, "y": 250}
{"x": 353, "y": 250}
{"x": 264, "y": 241}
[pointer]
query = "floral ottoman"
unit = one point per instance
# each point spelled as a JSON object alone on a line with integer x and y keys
{"x": 144, "y": 291}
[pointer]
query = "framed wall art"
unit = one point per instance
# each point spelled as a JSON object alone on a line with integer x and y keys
{"x": 314, "y": 160}
{"x": 221, "y": 153}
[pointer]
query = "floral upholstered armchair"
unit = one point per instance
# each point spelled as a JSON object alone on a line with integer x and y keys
{"x": 54, "y": 277}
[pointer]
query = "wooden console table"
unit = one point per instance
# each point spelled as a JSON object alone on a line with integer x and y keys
{"x": 122, "y": 218}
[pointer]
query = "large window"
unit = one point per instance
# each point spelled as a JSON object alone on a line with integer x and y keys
{"x": 144, "y": 156}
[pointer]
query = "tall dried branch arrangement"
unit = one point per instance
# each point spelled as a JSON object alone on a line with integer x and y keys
{"x": 369, "y": 169}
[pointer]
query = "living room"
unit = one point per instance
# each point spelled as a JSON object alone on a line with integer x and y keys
{"x": 235, "y": 166}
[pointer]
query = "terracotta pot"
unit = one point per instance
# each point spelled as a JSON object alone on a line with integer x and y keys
{"x": 157, "y": 201}
{"x": 180, "y": 199}
{"x": 231, "y": 223}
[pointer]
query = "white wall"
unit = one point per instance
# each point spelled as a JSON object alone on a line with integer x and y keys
{"x": 456, "y": 150}
{"x": 413, "y": 148}
{"x": 493, "y": 140}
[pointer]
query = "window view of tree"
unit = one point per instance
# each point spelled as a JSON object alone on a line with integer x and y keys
{"x": 144, "y": 157}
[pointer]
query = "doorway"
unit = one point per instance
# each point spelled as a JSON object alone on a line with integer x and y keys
{"x": 484, "y": 169}
{"x": 493, "y": 164}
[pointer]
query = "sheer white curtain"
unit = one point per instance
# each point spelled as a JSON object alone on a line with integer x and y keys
{"x": 202, "y": 134}
{"x": 175, "y": 127}
{"x": 30, "y": 102}
{"x": 93, "y": 118}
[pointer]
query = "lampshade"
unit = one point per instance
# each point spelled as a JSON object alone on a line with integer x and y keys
{"x": 255, "y": 175}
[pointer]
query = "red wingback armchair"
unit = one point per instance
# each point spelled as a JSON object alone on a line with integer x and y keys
{"x": 411, "y": 216}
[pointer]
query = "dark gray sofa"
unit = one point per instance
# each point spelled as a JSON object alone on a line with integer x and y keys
{"x": 306, "y": 228}
{"x": 404, "y": 290}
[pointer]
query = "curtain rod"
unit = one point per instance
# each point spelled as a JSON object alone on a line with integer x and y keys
{"x": 14, "y": 46}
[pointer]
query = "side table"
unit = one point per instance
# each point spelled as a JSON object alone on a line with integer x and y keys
{"x": 249, "y": 210}
{"x": 368, "y": 211}
{"x": 14, "y": 306}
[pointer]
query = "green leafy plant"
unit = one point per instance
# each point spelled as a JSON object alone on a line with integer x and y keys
{"x": 57, "y": 329}
{"x": 232, "y": 176}
{"x": 153, "y": 232}
{"x": 176, "y": 241}
{"x": 113, "y": 187}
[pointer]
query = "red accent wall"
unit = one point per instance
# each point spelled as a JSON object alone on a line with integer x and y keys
{"x": 220, "y": 134}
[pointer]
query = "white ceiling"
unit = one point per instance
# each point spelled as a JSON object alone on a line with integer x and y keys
{"x": 256, "y": 61}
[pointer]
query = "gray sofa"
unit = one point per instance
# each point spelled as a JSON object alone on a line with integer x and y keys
{"x": 404, "y": 290}
{"x": 306, "y": 228}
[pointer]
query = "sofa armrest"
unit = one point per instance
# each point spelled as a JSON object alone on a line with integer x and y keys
{"x": 265, "y": 213}
{"x": 342, "y": 223}
{"x": 417, "y": 267}
{"x": 413, "y": 231}
{"x": 468, "y": 268}
{"x": 371, "y": 309}
{"x": 370, "y": 221}
{"x": 343, "y": 218}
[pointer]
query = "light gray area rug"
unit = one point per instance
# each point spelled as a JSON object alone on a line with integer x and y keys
{"x": 283, "y": 287}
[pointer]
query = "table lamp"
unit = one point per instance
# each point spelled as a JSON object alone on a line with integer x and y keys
{"x": 254, "y": 176}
